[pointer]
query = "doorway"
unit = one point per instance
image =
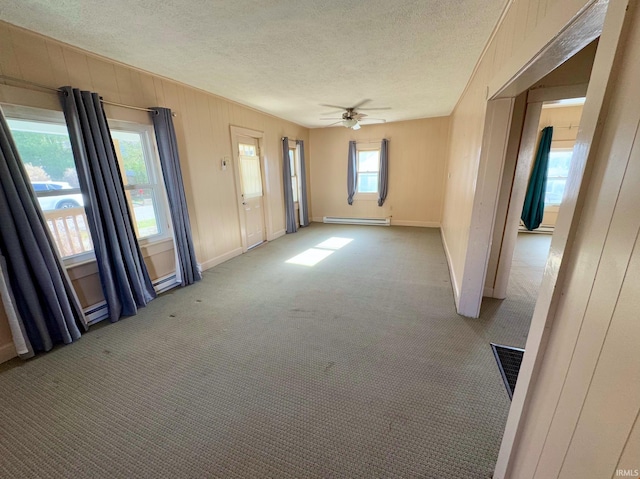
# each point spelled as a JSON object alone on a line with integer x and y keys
{"x": 249, "y": 173}
{"x": 560, "y": 108}
{"x": 504, "y": 99}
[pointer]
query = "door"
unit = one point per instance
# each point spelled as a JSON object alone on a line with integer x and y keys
{"x": 252, "y": 197}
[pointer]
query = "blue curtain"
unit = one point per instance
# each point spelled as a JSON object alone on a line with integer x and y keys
{"x": 289, "y": 208}
{"x": 302, "y": 179}
{"x": 123, "y": 275}
{"x": 351, "y": 172}
{"x": 170, "y": 163}
{"x": 383, "y": 177}
{"x": 533, "y": 209}
{"x": 44, "y": 307}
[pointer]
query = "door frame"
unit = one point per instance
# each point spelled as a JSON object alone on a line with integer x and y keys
{"x": 237, "y": 131}
{"x": 524, "y": 141}
{"x": 600, "y": 18}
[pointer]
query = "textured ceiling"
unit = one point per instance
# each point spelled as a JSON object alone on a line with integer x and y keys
{"x": 285, "y": 57}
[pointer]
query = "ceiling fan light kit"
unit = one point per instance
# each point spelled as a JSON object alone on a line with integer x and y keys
{"x": 351, "y": 118}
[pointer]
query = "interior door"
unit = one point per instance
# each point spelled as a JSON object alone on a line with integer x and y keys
{"x": 251, "y": 186}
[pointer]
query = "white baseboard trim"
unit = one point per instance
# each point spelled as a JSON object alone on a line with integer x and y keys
{"x": 419, "y": 224}
{"x": 278, "y": 234}
{"x": 452, "y": 273}
{"x": 542, "y": 230}
{"x": 220, "y": 259}
{"x": 7, "y": 351}
{"x": 317, "y": 219}
{"x": 487, "y": 292}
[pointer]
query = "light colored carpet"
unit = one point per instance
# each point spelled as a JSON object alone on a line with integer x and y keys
{"x": 357, "y": 367}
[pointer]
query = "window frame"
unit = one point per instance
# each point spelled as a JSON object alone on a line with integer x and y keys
{"x": 154, "y": 173}
{"x": 152, "y": 161}
{"x": 366, "y": 195}
{"x": 43, "y": 115}
{"x": 294, "y": 173}
{"x": 564, "y": 150}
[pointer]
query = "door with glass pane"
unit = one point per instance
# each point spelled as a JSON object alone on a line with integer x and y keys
{"x": 251, "y": 190}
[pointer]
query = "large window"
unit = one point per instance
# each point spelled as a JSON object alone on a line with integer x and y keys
{"x": 142, "y": 179}
{"x": 557, "y": 173}
{"x": 45, "y": 149}
{"x": 44, "y": 146}
{"x": 368, "y": 169}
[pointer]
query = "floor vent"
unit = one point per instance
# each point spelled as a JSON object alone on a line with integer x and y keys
{"x": 509, "y": 360}
{"x": 357, "y": 221}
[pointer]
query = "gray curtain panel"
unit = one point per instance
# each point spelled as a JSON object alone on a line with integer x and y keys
{"x": 289, "y": 207}
{"x": 123, "y": 275}
{"x": 170, "y": 163}
{"x": 16, "y": 324}
{"x": 47, "y": 308}
{"x": 302, "y": 201}
{"x": 351, "y": 172}
{"x": 383, "y": 178}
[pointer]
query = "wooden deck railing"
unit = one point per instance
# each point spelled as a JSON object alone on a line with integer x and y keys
{"x": 70, "y": 230}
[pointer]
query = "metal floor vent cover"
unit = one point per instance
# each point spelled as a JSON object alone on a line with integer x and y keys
{"x": 509, "y": 360}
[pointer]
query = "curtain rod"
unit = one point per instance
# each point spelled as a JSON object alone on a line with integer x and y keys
{"x": 372, "y": 141}
{"x": 570, "y": 127}
{"x": 57, "y": 90}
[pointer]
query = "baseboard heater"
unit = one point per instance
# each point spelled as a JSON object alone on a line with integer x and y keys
{"x": 99, "y": 311}
{"x": 357, "y": 221}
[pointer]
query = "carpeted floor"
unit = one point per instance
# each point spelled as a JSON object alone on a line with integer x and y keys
{"x": 357, "y": 367}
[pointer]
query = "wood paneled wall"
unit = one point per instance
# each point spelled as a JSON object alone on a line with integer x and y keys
{"x": 417, "y": 163}
{"x": 582, "y": 414}
{"x": 581, "y": 419}
{"x": 526, "y": 27}
{"x": 202, "y": 125}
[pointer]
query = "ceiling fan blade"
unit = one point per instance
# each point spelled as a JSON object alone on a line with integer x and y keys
{"x": 358, "y": 105}
{"x": 335, "y": 106}
{"x": 331, "y": 124}
{"x": 334, "y": 112}
{"x": 379, "y": 120}
{"x": 372, "y": 109}
{"x": 322, "y": 119}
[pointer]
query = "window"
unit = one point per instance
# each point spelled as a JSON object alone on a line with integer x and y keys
{"x": 368, "y": 169}
{"x": 43, "y": 142}
{"x": 250, "y": 172}
{"x": 142, "y": 178}
{"x": 293, "y": 164}
{"x": 45, "y": 149}
{"x": 557, "y": 173}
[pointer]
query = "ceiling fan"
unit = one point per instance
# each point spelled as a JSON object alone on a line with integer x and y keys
{"x": 352, "y": 118}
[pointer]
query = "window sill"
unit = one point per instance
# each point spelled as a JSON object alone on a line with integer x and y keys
{"x": 160, "y": 245}
{"x": 89, "y": 267}
{"x": 366, "y": 197}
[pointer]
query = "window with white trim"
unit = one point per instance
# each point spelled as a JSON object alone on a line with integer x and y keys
{"x": 142, "y": 178}
{"x": 293, "y": 165}
{"x": 557, "y": 174}
{"x": 43, "y": 143}
{"x": 368, "y": 169}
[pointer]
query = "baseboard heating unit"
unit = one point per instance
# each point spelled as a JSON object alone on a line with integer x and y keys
{"x": 357, "y": 221}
